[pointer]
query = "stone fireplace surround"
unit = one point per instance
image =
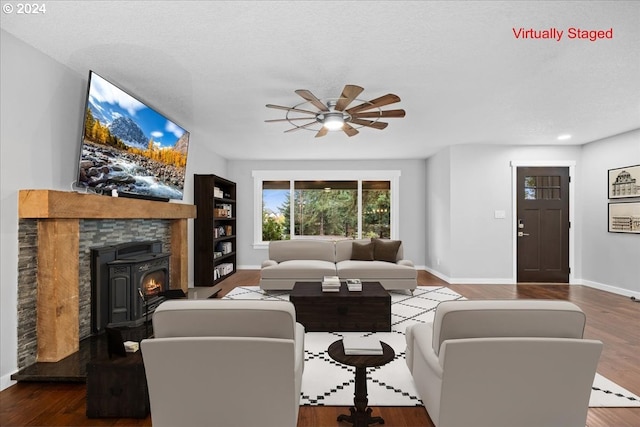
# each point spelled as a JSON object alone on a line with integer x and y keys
{"x": 59, "y": 219}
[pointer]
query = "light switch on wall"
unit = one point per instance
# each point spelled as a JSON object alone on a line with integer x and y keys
{"x": 500, "y": 214}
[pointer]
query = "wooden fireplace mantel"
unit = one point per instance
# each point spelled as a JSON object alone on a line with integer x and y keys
{"x": 51, "y": 204}
{"x": 59, "y": 214}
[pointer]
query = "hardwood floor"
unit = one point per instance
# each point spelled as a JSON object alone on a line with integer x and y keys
{"x": 611, "y": 318}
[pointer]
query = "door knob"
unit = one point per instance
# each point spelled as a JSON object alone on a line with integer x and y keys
{"x": 522, "y": 233}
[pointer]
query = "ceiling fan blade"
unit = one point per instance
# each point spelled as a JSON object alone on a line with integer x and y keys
{"x": 302, "y": 127}
{"x": 376, "y": 114}
{"x": 312, "y": 99}
{"x": 349, "y": 130}
{"x": 369, "y": 123}
{"x": 322, "y": 132}
{"x": 349, "y": 93}
{"x": 297, "y": 110}
{"x": 378, "y": 102}
{"x": 286, "y": 120}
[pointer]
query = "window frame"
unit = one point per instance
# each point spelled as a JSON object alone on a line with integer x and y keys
{"x": 259, "y": 176}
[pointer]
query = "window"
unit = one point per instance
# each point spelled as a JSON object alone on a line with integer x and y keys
{"x": 376, "y": 209}
{"x": 275, "y": 198}
{"x": 349, "y": 204}
{"x": 542, "y": 187}
{"x": 325, "y": 208}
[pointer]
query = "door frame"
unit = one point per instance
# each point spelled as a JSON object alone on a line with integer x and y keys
{"x": 515, "y": 164}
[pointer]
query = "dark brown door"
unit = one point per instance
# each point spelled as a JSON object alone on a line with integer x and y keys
{"x": 543, "y": 224}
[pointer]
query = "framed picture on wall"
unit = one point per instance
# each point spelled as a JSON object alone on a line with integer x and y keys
{"x": 624, "y": 217}
{"x": 624, "y": 182}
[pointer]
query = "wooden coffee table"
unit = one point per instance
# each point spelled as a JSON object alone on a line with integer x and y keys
{"x": 360, "y": 413}
{"x": 368, "y": 310}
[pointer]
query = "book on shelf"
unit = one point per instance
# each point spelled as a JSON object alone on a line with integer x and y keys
{"x": 364, "y": 346}
{"x": 224, "y": 247}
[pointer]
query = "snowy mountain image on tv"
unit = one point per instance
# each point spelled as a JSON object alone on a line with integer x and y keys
{"x": 129, "y": 147}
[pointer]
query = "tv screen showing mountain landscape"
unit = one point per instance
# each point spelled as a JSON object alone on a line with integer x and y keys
{"x": 129, "y": 147}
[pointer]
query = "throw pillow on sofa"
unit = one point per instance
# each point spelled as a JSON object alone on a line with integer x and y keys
{"x": 362, "y": 251}
{"x": 385, "y": 250}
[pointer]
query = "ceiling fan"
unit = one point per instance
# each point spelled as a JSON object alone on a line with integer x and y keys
{"x": 332, "y": 114}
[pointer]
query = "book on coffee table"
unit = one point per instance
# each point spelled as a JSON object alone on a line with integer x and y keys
{"x": 354, "y": 285}
{"x": 361, "y": 346}
{"x": 331, "y": 280}
{"x": 331, "y": 284}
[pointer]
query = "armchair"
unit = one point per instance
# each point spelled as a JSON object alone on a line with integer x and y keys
{"x": 224, "y": 363}
{"x": 504, "y": 363}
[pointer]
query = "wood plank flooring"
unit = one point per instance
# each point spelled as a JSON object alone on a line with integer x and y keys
{"x": 611, "y": 318}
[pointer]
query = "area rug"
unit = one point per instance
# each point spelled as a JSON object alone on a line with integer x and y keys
{"x": 329, "y": 383}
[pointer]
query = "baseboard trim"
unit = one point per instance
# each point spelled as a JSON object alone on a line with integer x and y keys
{"x": 575, "y": 281}
{"x": 6, "y": 381}
{"x": 438, "y": 274}
{"x": 456, "y": 281}
{"x": 609, "y": 288}
{"x": 467, "y": 281}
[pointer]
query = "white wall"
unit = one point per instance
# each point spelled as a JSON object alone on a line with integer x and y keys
{"x": 438, "y": 213}
{"x": 475, "y": 247}
{"x": 480, "y": 248}
{"x": 412, "y": 200}
{"x": 610, "y": 260}
{"x": 202, "y": 160}
{"x": 42, "y": 103}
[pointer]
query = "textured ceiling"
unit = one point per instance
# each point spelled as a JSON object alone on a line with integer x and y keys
{"x": 461, "y": 72}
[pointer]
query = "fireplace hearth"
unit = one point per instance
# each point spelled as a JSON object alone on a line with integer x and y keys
{"x": 128, "y": 282}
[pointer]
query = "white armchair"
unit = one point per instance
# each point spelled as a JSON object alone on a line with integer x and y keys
{"x": 504, "y": 363}
{"x": 224, "y": 363}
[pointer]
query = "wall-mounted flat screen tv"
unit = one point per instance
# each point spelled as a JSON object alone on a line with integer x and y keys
{"x": 129, "y": 147}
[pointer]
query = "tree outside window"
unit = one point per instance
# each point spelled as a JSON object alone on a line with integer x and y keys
{"x": 376, "y": 209}
{"x": 275, "y": 225}
{"x": 325, "y": 209}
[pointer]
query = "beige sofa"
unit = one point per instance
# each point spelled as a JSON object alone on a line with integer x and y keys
{"x": 504, "y": 363}
{"x": 309, "y": 260}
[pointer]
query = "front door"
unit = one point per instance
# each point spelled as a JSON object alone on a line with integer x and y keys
{"x": 543, "y": 224}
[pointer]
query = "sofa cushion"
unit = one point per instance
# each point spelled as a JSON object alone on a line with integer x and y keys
{"x": 386, "y": 250}
{"x": 344, "y": 247}
{"x": 214, "y": 317}
{"x": 300, "y": 269}
{"x": 302, "y": 249}
{"x": 374, "y": 270}
{"x": 362, "y": 251}
{"x": 506, "y": 318}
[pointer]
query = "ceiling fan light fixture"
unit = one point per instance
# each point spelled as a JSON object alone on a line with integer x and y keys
{"x": 333, "y": 121}
{"x": 335, "y": 114}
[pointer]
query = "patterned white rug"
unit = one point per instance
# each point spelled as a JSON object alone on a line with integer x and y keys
{"x": 329, "y": 383}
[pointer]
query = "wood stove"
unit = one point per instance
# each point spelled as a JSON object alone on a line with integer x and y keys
{"x": 128, "y": 283}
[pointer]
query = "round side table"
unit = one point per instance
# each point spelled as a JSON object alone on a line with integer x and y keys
{"x": 360, "y": 413}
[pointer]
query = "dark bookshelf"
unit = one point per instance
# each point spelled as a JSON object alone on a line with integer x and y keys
{"x": 214, "y": 229}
